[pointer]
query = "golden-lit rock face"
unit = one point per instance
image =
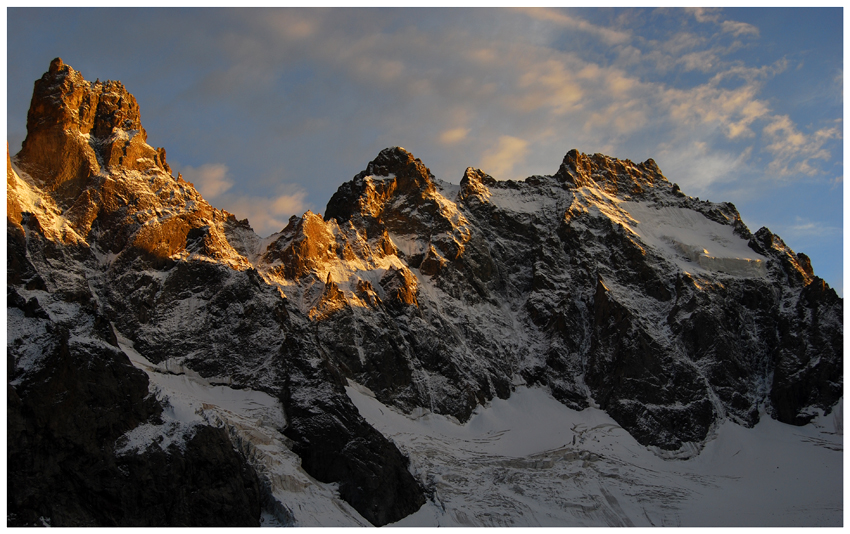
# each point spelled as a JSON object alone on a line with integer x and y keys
{"x": 85, "y": 168}
{"x": 396, "y": 200}
{"x": 333, "y": 300}
{"x": 614, "y": 176}
{"x": 400, "y": 286}
{"x": 312, "y": 248}
{"x": 304, "y": 245}
{"x": 13, "y": 208}
{"x": 74, "y": 127}
{"x": 475, "y": 182}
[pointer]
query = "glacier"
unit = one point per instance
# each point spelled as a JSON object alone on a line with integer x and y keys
{"x": 530, "y": 461}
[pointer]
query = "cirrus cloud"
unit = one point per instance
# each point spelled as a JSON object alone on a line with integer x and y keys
{"x": 267, "y": 214}
{"x": 500, "y": 160}
{"x": 607, "y": 35}
{"x": 317, "y": 93}
{"x": 795, "y": 151}
{"x": 453, "y": 135}
{"x": 211, "y": 179}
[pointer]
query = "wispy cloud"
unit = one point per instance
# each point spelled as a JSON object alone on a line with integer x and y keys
{"x": 729, "y": 102}
{"x": 704, "y": 14}
{"x": 267, "y": 214}
{"x": 453, "y": 135}
{"x": 607, "y": 35}
{"x": 317, "y": 92}
{"x": 803, "y": 227}
{"x": 738, "y": 28}
{"x": 699, "y": 167}
{"x": 500, "y": 160}
{"x": 211, "y": 179}
{"x": 547, "y": 83}
{"x": 512, "y": 85}
{"x": 794, "y": 151}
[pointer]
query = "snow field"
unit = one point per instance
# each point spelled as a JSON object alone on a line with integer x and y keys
{"x": 530, "y": 461}
{"x": 691, "y": 240}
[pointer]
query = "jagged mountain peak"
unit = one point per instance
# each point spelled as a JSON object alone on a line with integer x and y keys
{"x": 76, "y": 128}
{"x": 63, "y": 95}
{"x": 617, "y": 176}
{"x": 475, "y": 182}
{"x": 398, "y": 161}
{"x": 395, "y": 173}
{"x": 409, "y": 170}
{"x": 86, "y": 175}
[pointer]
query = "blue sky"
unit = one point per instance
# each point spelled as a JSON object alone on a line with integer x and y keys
{"x": 268, "y": 111}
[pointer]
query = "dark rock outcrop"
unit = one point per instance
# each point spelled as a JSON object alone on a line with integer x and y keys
{"x": 72, "y": 395}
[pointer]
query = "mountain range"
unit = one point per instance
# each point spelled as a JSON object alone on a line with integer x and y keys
{"x": 169, "y": 366}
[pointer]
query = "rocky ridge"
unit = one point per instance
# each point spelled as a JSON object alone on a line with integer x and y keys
{"x": 434, "y": 296}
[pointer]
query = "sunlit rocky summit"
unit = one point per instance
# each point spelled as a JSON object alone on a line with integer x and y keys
{"x": 168, "y": 366}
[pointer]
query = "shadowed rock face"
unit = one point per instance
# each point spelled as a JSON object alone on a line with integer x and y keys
{"x": 66, "y": 415}
{"x": 432, "y": 295}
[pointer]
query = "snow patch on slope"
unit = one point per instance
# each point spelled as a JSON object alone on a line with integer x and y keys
{"x": 691, "y": 240}
{"x": 33, "y": 340}
{"x": 255, "y": 422}
{"x": 22, "y": 189}
{"x": 523, "y": 200}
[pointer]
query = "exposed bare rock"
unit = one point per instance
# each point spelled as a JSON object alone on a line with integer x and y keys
{"x": 400, "y": 287}
{"x": 75, "y": 127}
{"x": 303, "y": 245}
